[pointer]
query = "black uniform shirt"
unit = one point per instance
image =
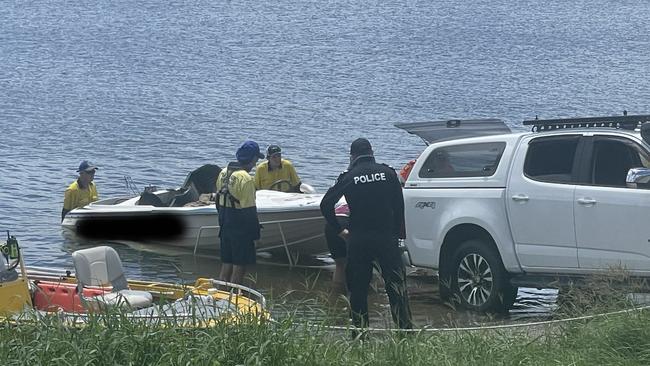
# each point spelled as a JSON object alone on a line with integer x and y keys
{"x": 374, "y": 196}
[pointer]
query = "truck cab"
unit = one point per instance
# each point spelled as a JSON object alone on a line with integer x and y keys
{"x": 566, "y": 199}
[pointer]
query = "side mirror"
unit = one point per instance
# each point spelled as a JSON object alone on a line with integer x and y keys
{"x": 638, "y": 178}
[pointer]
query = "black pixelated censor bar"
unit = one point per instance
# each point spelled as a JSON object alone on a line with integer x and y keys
{"x": 137, "y": 228}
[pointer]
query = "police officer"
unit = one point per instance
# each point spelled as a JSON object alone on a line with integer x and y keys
{"x": 374, "y": 196}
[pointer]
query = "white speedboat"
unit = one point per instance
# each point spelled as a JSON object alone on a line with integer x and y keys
{"x": 292, "y": 224}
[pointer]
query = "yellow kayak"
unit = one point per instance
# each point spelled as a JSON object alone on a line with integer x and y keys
{"x": 98, "y": 287}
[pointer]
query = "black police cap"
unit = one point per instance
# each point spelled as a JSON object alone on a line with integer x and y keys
{"x": 360, "y": 146}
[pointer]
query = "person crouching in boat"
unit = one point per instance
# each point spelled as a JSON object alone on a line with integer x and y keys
{"x": 82, "y": 191}
{"x": 238, "y": 221}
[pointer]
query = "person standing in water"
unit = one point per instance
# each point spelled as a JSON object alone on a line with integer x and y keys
{"x": 238, "y": 221}
{"x": 82, "y": 191}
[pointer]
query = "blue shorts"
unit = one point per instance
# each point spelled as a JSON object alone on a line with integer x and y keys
{"x": 237, "y": 250}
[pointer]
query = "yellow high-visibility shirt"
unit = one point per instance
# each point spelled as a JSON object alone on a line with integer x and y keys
{"x": 241, "y": 186}
{"x": 76, "y": 197}
{"x": 264, "y": 177}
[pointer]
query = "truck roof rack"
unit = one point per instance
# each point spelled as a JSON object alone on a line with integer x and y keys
{"x": 433, "y": 131}
{"x": 625, "y": 122}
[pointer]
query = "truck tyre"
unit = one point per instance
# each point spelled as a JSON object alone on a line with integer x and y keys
{"x": 478, "y": 280}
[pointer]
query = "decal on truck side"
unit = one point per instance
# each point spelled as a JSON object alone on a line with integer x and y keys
{"x": 423, "y": 205}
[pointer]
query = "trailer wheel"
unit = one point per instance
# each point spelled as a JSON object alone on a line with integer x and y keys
{"x": 478, "y": 280}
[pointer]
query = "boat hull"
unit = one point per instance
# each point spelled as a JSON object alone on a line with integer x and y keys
{"x": 292, "y": 225}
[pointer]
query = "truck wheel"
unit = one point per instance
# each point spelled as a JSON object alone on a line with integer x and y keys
{"x": 478, "y": 279}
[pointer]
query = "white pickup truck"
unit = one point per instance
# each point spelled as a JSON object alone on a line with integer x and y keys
{"x": 493, "y": 212}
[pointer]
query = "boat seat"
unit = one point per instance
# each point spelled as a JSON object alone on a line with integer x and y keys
{"x": 189, "y": 195}
{"x": 101, "y": 266}
{"x": 148, "y": 198}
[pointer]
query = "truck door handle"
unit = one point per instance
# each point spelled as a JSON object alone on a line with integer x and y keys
{"x": 520, "y": 198}
{"x": 586, "y": 201}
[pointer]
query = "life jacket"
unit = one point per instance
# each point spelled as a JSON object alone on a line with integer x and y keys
{"x": 224, "y": 192}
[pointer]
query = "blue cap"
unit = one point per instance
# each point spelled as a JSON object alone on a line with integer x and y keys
{"x": 248, "y": 151}
{"x": 86, "y": 166}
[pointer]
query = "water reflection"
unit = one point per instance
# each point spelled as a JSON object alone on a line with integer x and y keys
{"x": 533, "y": 303}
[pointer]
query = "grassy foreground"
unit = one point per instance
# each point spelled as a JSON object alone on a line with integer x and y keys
{"x": 111, "y": 339}
{"x": 614, "y": 340}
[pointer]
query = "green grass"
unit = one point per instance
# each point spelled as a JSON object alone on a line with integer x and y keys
{"x": 111, "y": 339}
{"x": 614, "y": 340}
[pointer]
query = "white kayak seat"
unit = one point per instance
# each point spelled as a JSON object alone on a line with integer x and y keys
{"x": 101, "y": 266}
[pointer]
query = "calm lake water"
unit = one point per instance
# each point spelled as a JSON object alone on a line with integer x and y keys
{"x": 153, "y": 89}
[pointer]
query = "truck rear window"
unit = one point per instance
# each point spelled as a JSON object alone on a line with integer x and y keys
{"x": 469, "y": 160}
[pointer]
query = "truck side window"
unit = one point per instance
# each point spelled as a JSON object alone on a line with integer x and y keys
{"x": 612, "y": 158}
{"x": 551, "y": 159}
{"x": 469, "y": 160}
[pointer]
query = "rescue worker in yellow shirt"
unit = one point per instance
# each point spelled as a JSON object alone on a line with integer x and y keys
{"x": 82, "y": 191}
{"x": 238, "y": 221}
{"x": 276, "y": 173}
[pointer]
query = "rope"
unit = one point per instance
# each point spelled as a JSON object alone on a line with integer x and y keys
{"x": 488, "y": 327}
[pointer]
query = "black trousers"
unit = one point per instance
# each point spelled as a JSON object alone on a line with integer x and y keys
{"x": 363, "y": 249}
